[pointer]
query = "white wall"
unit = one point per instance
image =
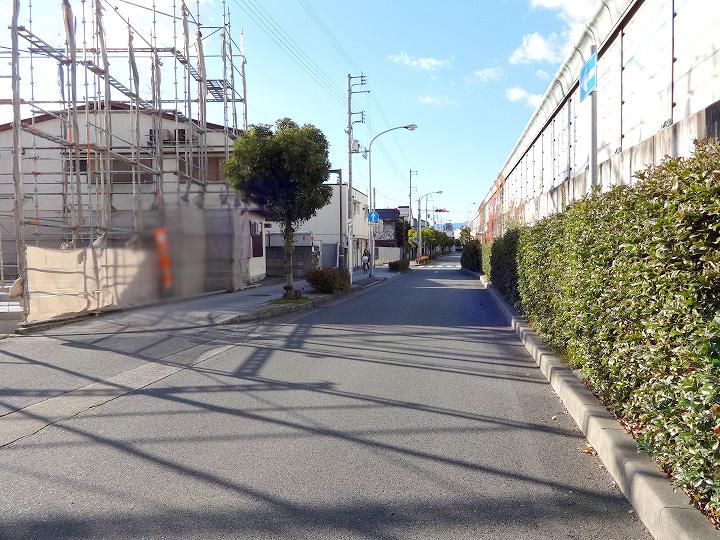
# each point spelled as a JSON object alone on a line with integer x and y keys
{"x": 661, "y": 67}
{"x": 325, "y": 225}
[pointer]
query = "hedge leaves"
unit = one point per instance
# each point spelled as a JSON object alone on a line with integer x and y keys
{"x": 626, "y": 285}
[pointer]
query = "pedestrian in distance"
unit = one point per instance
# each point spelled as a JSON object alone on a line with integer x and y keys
{"x": 366, "y": 260}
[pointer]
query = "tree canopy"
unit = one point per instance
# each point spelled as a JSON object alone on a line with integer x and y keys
{"x": 283, "y": 169}
{"x": 465, "y": 235}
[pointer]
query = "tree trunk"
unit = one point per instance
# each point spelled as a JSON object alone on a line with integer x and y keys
{"x": 288, "y": 234}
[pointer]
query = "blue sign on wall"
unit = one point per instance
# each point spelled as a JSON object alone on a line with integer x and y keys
{"x": 373, "y": 217}
{"x": 588, "y": 77}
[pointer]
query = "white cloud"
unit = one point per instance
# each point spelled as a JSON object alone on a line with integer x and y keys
{"x": 542, "y": 74}
{"x": 572, "y": 11}
{"x": 488, "y": 74}
{"x": 437, "y": 101}
{"x": 519, "y": 94}
{"x": 555, "y": 46}
{"x": 537, "y": 48}
{"x": 424, "y": 63}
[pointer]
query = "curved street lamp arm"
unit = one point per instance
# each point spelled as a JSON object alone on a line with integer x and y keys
{"x": 383, "y": 133}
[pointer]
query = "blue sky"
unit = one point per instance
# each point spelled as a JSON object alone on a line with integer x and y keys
{"x": 467, "y": 72}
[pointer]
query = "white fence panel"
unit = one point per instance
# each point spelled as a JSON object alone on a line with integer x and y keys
{"x": 647, "y": 71}
{"x": 697, "y": 50}
{"x": 609, "y": 101}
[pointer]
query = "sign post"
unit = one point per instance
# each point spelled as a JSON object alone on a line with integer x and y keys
{"x": 588, "y": 86}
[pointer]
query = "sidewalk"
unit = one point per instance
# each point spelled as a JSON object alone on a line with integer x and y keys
{"x": 208, "y": 310}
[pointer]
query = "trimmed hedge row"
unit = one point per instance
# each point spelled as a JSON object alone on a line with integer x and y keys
{"x": 503, "y": 265}
{"x": 485, "y": 259}
{"x": 626, "y": 285}
{"x": 471, "y": 257}
{"x": 329, "y": 280}
{"x": 399, "y": 266}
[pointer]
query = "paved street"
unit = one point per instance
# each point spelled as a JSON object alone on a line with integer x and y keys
{"x": 409, "y": 410}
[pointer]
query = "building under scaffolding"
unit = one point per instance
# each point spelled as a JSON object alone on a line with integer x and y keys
{"x": 112, "y": 190}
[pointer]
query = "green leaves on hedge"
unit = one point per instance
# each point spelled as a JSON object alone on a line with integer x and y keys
{"x": 626, "y": 285}
{"x": 471, "y": 257}
{"x": 328, "y": 280}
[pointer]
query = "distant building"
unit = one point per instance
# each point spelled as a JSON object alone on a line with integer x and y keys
{"x": 389, "y": 241}
{"x": 324, "y": 227}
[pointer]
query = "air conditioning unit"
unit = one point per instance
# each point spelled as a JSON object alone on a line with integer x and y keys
{"x": 165, "y": 134}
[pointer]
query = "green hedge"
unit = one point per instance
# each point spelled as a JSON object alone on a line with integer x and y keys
{"x": 485, "y": 258}
{"x": 399, "y": 266}
{"x": 626, "y": 285}
{"x": 471, "y": 257}
{"x": 503, "y": 265}
{"x": 329, "y": 280}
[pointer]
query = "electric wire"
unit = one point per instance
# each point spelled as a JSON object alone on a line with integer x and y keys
{"x": 278, "y": 35}
{"x": 329, "y": 35}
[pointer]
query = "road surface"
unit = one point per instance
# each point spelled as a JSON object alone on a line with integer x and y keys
{"x": 410, "y": 410}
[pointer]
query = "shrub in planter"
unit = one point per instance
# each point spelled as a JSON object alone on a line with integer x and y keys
{"x": 626, "y": 285}
{"x": 399, "y": 266}
{"x": 471, "y": 256}
{"x": 329, "y": 280}
{"x": 423, "y": 259}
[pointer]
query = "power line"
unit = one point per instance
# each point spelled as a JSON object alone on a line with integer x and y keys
{"x": 280, "y": 37}
{"x": 330, "y": 36}
{"x": 351, "y": 62}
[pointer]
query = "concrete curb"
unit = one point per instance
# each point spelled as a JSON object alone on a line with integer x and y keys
{"x": 29, "y": 328}
{"x": 666, "y": 513}
{"x": 262, "y": 313}
{"x": 276, "y": 311}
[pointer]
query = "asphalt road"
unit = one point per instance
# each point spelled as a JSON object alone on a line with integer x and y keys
{"x": 407, "y": 411}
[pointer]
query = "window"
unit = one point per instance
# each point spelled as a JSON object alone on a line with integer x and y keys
{"x": 215, "y": 171}
{"x": 256, "y": 238}
{"x": 122, "y": 172}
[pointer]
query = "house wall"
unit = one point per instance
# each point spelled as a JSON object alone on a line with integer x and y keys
{"x": 209, "y": 245}
{"x": 388, "y": 254}
{"x": 325, "y": 225}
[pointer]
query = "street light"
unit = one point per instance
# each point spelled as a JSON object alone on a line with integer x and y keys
{"x": 409, "y": 127}
{"x": 420, "y": 219}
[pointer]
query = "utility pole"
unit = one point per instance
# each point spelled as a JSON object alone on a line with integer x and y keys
{"x": 342, "y": 216}
{"x": 350, "y": 197}
{"x": 419, "y": 226}
{"x": 410, "y": 197}
{"x": 372, "y": 236}
{"x": 351, "y": 150}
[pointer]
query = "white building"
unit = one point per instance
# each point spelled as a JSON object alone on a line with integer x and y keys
{"x": 78, "y": 198}
{"x": 325, "y": 226}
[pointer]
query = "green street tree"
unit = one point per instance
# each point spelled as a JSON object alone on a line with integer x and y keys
{"x": 283, "y": 169}
{"x": 465, "y": 235}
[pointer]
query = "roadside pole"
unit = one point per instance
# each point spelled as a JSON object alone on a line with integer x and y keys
{"x": 419, "y": 227}
{"x": 593, "y": 128}
{"x": 588, "y": 87}
{"x": 350, "y": 240}
{"x": 372, "y": 233}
